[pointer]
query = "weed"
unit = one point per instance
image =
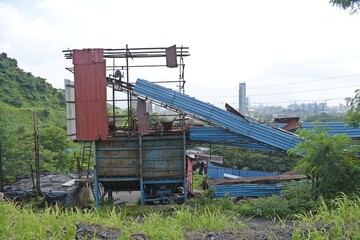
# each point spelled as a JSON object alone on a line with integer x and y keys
{"x": 57, "y": 223}
{"x": 335, "y": 220}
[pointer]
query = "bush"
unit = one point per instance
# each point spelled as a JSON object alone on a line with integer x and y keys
{"x": 198, "y": 180}
{"x": 271, "y": 207}
{"x": 296, "y": 198}
{"x": 245, "y": 208}
{"x": 300, "y": 197}
{"x": 330, "y": 161}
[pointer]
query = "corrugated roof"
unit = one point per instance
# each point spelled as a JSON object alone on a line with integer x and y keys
{"x": 220, "y": 136}
{"x": 228, "y": 121}
{"x": 90, "y": 95}
{"x": 265, "y": 179}
{"x": 331, "y": 128}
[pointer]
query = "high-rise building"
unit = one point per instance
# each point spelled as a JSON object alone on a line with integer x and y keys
{"x": 242, "y": 98}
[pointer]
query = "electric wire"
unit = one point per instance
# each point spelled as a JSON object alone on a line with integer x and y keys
{"x": 291, "y": 92}
{"x": 284, "y": 84}
{"x": 293, "y": 83}
{"x": 312, "y": 90}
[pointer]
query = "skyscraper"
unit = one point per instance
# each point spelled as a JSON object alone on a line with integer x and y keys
{"x": 242, "y": 98}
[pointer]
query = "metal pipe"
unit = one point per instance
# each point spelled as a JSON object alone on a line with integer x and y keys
{"x": 185, "y": 169}
{"x": 122, "y": 49}
{"x": 137, "y": 56}
{"x": 113, "y": 101}
{"x": 141, "y": 171}
{"x": 128, "y": 94}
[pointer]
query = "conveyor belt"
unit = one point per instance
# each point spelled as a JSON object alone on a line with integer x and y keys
{"x": 256, "y": 132}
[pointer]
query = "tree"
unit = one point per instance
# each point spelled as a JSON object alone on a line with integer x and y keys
{"x": 54, "y": 146}
{"x": 329, "y": 161}
{"x": 353, "y": 115}
{"x": 353, "y": 5}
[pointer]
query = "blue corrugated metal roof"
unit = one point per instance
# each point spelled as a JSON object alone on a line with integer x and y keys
{"x": 332, "y": 128}
{"x": 228, "y": 121}
{"x": 247, "y": 190}
{"x": 220, "y": 136}
{"x": 215, "y": 172}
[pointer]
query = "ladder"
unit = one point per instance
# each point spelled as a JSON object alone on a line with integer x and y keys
{"x": 85, "y": 159}
{"x": 84, "y": 162}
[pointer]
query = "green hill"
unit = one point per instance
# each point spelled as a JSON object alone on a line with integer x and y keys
{"x": 22, "y": 95}
{"x": 21, "y": 89}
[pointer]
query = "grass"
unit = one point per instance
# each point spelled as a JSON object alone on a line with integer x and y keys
{"x": 13, "y": 117}
{"x": 338, "y": 220}
{"x": 198, "y": 180}
{"x": 55, "y": 223}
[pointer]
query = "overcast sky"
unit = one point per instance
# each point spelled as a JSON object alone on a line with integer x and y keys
{"x": 285, "y": 50}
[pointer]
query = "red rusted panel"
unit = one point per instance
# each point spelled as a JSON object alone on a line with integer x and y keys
{"x": 90, "y": 95}
{"x": 171, "y": 58}
{"x": 189, "y": 174}
{"x": 88, "y": 56}
{"x": 143, "y": 117}
{"x": 98, "y": 55}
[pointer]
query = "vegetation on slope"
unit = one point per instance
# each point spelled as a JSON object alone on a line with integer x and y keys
{"x": 22, "y": 95}
{"x": 22, "y": 89}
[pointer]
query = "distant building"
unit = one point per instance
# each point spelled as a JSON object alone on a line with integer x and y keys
{"x": 242, "y": 98}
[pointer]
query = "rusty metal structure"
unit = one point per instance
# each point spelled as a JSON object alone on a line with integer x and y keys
{"x": 131, "y": 151}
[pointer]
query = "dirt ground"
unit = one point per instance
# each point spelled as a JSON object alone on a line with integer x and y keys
{"x": 256, "y": 228}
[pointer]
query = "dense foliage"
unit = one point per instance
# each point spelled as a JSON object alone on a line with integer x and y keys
{"x": 22, "y": 89}
{"x": 294, "y": 199}
{"x": 254, "y": 160}
{"x": 330, "y": 161}
{"x": 353, "y": 115}
{"x": 22, "y": 95}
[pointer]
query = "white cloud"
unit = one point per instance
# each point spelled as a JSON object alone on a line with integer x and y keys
{"x": 5, "y": 47}
{"x": 260, "y": 42}
{"x": 15, "y": 26}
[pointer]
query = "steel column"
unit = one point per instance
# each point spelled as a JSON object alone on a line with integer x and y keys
{"x": 141, "y": 172}
{"x": 185, "y": 169}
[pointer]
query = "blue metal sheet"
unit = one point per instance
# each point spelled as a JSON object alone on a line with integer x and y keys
{"x": 220, "y": 136}
{"x": 247, "y": 190}
{"x": 118, "y": 158}
{"x": 332, "y": 128}
{"x": 154, "y": 163}
{"x": 215, "y": 172}
{"x": 162, "y": 157}
{"x": 209, "y": 113}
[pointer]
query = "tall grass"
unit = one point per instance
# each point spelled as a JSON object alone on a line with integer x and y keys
{"x": 198, "y": 180}
{"x": 55, "y": 223}
{"x": 338, "y": 220}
